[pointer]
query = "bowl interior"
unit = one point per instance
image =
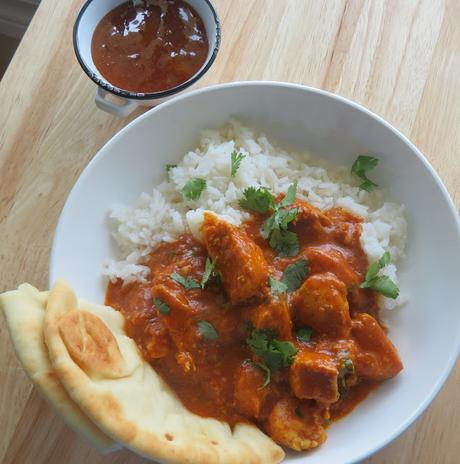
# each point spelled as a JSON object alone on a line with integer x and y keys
{"x": 94, "y": 10}
{"x": 425, "y": 330}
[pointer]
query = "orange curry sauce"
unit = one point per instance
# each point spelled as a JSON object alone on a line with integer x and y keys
{"x": 214, "y": 378}
{"x": 151, "y": 47}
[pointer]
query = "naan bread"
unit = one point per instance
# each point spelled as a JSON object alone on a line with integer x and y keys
{"x": 105, "y": 374}
{"x": 24, "y": 311}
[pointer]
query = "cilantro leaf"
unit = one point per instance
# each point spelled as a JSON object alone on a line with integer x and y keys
{"x": 280, "y": 219}
{"x": 346, "y": 368}
{"x": 267, "y": 373}
{"x": 236, "y": 161}
{"x": 274, "y": 228}
{"x": 284, "y": 242}
{"x": 259, "y": 200}
{"x": 373, "y": 270}
{"x": 381, "y": 284}
{"x": 207, "y": 330}
{"x": 304, "y": 334}
{"x": 188, "y": 283}
{"x": 193, "y": 188}
{"x": 285, "y": 216}
{"x": 168, "y": 167}
{"x": 277, "y": 286}
{"x": 280, "y": 354}
{"x": 208, "y": 269}
{"x": 290, "y": 196}
{"x": 295, "y": 274}
{"x": 269, "y": 224}
{"x": 360, "y": 167}
{"x": 385, "y": 259}
{"x": 162, "y": 306}
{"x": 258, "y": 340}
{"x": 276, "y": 354}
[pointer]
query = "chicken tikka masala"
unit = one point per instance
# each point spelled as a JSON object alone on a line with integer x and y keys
{"x": 274, "y": 322}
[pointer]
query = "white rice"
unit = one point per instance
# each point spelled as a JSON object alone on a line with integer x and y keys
{"x": 164, "y": 214}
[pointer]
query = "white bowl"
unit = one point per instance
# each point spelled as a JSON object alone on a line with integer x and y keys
{"x": 425, "y": 331}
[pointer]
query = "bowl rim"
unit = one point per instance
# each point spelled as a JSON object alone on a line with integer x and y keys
{"x": 436, "y": 387}
{"x": 119, "y": 92}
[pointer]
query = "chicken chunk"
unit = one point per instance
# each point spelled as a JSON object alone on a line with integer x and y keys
{"x": 159, "y": 343}
{"x": 329, "y": 258}
{"x": 181, "y": 328}
{"x": 251, "y": 399}
{"x": 314, "y": 376}
{"x": 321, "y": 303}
{"x": 239, "y": 260}
{"x": 376, "y": 358}
{"x": 310, "y": 214}
{"x": 273, "y": 315}
{"x": 297, "y": 426}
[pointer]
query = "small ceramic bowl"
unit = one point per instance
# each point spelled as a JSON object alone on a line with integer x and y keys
{"x": 87, "y": 20}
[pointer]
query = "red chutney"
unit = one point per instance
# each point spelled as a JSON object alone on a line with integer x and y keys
{"x": 220, "y": 378}
{"x": 151, "y": 48}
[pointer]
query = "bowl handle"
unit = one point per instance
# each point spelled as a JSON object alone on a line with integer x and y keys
{"x": 121, "y": 110}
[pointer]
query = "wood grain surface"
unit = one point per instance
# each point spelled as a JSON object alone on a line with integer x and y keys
{"x": 399, "y": 58}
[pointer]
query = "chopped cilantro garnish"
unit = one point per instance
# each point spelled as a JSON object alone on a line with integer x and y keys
{"x": 295, "y": 274}
{"x": 284, "y": 242}
{"x": 379, "y": 283}
{"x": 259, "y": 200}
{"x": 188, "y": 283}
{"x": 275, "y": 354}
{"x": 304, "y": 334}
{"x": 383, "y": 285}
{"x": 208, "y": 270}
{"x": 207, "y": 330}
{"x": 274, "y": 227}
{"x": 276, "y": 286}
{"x": 279, "y": 220}
{"x": 193, "y": 188}
{"x": 267, "y": 372}
{"x": 162, "y": 306}
{"x": 236, "y": 161}
{"x": 292, "y": 279}
{"x": 346, "y": 368}
{"x": 289, "y": 197}
{"x": 360, "y": 167}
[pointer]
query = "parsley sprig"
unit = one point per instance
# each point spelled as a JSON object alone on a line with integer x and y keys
{"x": 193, "y": 188}
{"x": 379, "y": 283}
{"x": 360, "y": 167}
{"x": 236, "y": 161}
{"x": 275, "y": 228}
{"x": 274, "y": 354}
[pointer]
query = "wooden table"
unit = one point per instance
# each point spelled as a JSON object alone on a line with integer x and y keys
{"x": 399, "y": 58}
